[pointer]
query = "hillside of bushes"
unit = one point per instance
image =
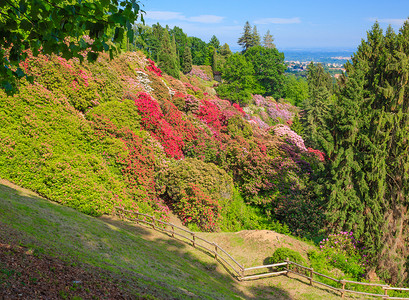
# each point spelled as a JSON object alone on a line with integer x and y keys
{"x": 122, "y": 133}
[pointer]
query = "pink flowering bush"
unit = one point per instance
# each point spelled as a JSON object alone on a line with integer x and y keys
{"x": 285, "y": 131}
{"x": 279, "y": 113}
{"x": 260, "y": 123}
{"x": 199, "y": 73}
{"x": 259, "y": 100}
{"x": 152, "y": 119}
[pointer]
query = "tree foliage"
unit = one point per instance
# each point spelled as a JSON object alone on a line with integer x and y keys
{"x": 268, "y": 40}
{"x": 368, "y": 176}
{"x": 239, "y": 81}
{"x": 269, "y": 69}
{"x": 246, "y": 40}
{"x": 60, "y": 27}
{"x": 167, "y": 58}
{"x": 186, "y": 60}
{"x": 317, "y": 107}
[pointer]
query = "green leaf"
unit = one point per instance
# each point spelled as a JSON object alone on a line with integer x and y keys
{"x": 130, "y": 35}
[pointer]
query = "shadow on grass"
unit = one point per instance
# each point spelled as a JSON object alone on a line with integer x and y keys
{"x": 145, "y": 260}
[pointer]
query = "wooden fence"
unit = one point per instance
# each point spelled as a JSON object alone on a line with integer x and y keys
{"x": 239, "y": 271}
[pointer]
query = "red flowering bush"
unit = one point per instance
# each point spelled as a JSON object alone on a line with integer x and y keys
{"x": 152, "y": 119}
{"x": 238, "y": 107}
{"x": 318, "y": 153}
{"x": 211, "y": 115}
{"x": 153, "y": 68}
{"x": 197, "y": 207}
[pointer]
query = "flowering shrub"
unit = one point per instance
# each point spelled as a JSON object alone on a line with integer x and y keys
{"x": 283, "y": 130}
{"x": 279, "y": 113}
{"x": 239, "y": 109}
{"x": 199, "y": 73}
{"x": 192, "y": 185}
{"x": 343, "y": 251}
{"x": 318, "y": 153}
{"x": 211, "y": 115}
{"x": 152, "y": 119}
{"x": 260, "y": 123}
{"x": 197, "y": 207}
{"x": 153, "y": 68}
{"x": 259, "y": 100}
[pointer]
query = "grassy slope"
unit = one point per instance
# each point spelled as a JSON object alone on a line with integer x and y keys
{"x": 147, "y": 262}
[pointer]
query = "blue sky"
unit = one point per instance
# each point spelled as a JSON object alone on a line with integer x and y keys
{"x": 295, "y": 24}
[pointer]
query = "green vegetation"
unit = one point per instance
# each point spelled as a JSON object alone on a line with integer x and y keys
{"x": 150, "y": 131}
{"x": 282, "y": 254}
{"x": 52, "y": 27}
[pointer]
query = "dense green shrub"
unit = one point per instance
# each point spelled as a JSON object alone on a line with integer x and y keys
{"x": 281, "y": 254}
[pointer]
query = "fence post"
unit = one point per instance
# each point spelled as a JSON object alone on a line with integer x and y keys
{"x": 288, "y": 266}
{"x": 153, "y": 222}
{"x": 173, "y": 231}
{"x": 343, "y": 289}
{"x": 241, "y": 273}
{"x": 311, "y": 275}
{"x": 193, "y": 238}
{"x": 386, "y": 292}
{"x": 215, "y": 251}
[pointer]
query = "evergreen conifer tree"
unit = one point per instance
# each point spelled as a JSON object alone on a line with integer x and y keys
{"x": 317, "y": 107}
{"x": 214, "y": 41}
{"x": 167, "y": 56}
{"x": 268, "y": 40}
{"x": 246, "y": 40}
{"x": 187, "y": 60}
{"x": 225, "y": 50}
{"x": 368, "y": 179}
{"x": 214, "y": 61}
{"x": 255, "y": 37}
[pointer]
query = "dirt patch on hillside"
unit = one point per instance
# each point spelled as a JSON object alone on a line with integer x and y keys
{"x": 24, "y": 274}
{"x": 275, "y": 240}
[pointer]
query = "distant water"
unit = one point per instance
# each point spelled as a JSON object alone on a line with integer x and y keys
{"x": 323, "y": 56}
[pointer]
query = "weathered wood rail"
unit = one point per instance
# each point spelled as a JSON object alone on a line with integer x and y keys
{"x": 242, "y": 273}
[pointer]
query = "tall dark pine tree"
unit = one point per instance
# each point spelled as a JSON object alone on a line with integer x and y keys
{"x": 187, "y": 60}
{"x": 167, "y": 56}
{"x": 255, "y": 37}
{"x": 246, "y": 40}
{"x": 368, "y": 171}
{"x": 317, "y": 107}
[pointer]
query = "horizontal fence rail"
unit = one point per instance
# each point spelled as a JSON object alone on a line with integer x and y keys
{"x": 240, "y": 271}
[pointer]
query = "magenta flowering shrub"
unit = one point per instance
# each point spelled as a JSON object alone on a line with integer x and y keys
{"x": 152, "y": 119}
{"x": 211, "y": 115}
{"x": 199, "y": 73}
{"x": 260, "y": 123}
{"x": 343, "y": 251}
{"x": 320, "y": 155}
{"x": 259, "y": 100}
{"x": 285, "y": 131}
